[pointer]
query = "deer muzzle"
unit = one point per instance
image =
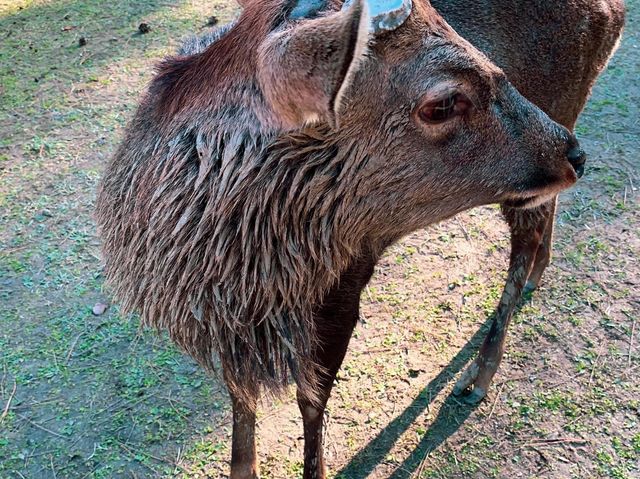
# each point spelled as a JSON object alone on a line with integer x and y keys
{"x": 576, "y": 156}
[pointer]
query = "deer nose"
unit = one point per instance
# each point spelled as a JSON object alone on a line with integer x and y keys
{"x": 577, "y": 157}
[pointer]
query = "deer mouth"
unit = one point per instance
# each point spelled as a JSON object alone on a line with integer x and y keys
{"x": 539, "y": 193}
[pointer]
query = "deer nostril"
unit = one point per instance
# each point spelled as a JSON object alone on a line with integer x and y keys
{"x": 577, "y": 158}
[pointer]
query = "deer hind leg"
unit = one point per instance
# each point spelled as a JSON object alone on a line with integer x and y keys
{"x": 244, "y": 464}
{"x": 528, "y": 232}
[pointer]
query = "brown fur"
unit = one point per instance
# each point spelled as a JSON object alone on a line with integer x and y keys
{"x": 245, "y": 226}
{"x": 552, "y": 52}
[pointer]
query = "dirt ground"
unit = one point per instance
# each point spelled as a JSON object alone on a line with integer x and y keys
{"x": 85, "y": 396}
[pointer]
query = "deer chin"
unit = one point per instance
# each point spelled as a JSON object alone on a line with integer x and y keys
{"x": 528, "y": 203}
{"x": 533, "y": 199}
{"x": 538, "y": 196}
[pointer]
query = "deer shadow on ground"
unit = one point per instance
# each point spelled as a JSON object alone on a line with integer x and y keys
{"x": 452, "y": 414}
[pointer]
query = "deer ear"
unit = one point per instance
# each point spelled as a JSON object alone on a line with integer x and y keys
{"x": 305, "y": 69}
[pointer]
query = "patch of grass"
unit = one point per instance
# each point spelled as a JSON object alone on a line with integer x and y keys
{"x": 96, "y": 383}
{"x": 558, "y": 402}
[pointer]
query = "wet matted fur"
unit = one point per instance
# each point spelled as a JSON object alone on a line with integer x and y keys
{"x": 225, "y": 227}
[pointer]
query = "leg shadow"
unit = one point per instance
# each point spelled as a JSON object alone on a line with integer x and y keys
{"x": 450, "y": 417}
{"x": 452, "y": 414}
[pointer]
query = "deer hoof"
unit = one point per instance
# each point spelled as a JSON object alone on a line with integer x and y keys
{"x": 467, "y": 379}
{"x": 475, "y": 396}
{"x": 467, "y": 387}
{"x": 529, "y": 287}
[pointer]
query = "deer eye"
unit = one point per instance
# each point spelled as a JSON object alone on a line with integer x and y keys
{"x": 443, "y": 109}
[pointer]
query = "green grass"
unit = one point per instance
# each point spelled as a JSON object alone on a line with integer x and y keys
{"x": 94, "y": 397}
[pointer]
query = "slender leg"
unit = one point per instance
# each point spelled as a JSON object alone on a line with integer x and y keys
{"x": 335, "y": 322}
{"x": 528, "y": 229}
{"x": 543, "y": 255}
{"x": 330, "y": 358}
{"x": 244, "y": 464}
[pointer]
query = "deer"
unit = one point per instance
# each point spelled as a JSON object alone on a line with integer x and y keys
{"x": 552, "y": 52}
{"x": 269, "y": 166}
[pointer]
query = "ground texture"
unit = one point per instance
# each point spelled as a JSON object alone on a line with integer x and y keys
{"x": 86, "y": 396}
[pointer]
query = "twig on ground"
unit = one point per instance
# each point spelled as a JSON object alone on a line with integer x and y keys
{"x": 493, "y": 407}
{"x": 125, "y": 407}
{"x": 624, "y": 198}
{"x": 593, "y": 369}
{"x": 477, "y": 432}
{"x": 73, "y": 346}
{"x": 95, "y": 446}
{"x": 576, "y": 419}
{"x": 151, "y": 456}
{"x": 521, "y": 377}
{"x": 4, "y": 377}
{"x": 421, "y": 465}
{"x": 177, "y": 460}
{"x": 369, "y": 294}
{"x": 39, "y": 426}
{"x": 464, "y": 230}
{"x": 8, "y": 405}
{"x": 88, "y": 57}
{"x": 633, "y": 331}
{"x": 35, "y": 404}
{"x": 553, "y": 441}
{"x": 378, "y": 350}
{"x": 30, "y": 456}
{"x": 53, "y": 469}
{"x": 40, "y": 454}
{"x": 174, "y": 408}
{"x": 91, "y": 472}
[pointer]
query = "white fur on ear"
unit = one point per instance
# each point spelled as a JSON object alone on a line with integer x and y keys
{"x": 311, "y": 119}
{"x": 360, "y": 51}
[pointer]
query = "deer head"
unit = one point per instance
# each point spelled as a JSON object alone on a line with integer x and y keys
{"x": 440, "y": 126}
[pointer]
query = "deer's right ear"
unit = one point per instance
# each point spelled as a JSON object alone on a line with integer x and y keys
{"x": 305, "y": 69}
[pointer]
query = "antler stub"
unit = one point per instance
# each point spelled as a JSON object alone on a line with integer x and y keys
{"x": 386, "y": 15}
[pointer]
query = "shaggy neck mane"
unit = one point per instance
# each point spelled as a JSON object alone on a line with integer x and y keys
{"x": 242, "y": 235}
{"x": 222, "y": 230}
{"x": 201, "y": 80}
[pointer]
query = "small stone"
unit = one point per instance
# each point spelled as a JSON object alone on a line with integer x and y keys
{"x": 42, "y": 215}
{"x": 99, "y": 309}
{"x": 144, "y": 28}
{"x": 82, "y": 41}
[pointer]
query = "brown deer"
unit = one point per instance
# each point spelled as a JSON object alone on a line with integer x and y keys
{"x": 263, "y": 176}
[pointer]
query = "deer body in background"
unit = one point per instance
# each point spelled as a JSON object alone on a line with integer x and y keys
{"x": 553, "y": 52}
{"x": 262, "y": 177}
